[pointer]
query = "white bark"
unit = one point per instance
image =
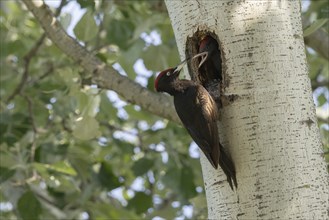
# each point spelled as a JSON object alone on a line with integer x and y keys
{"x": 271, "y": 129}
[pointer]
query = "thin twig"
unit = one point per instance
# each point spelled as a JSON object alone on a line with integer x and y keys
{"x": 28, "y": 57}
{"x": 34, "y": 126}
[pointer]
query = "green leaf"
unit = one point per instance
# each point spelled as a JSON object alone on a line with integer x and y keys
{"x": 181, "y": 181}
{"x": 141, "y": 166}
{"x": 61, "y": 167}
{"x": 104, "y": 211}
{"x": 322, "y": 99}
{"x": 5, "y": 174}
{"x": 172, "y": 178}
{"x": 147, "y": 24}
{"x": 7, "y": 159}
{"x": 120, "y": 32}
{"x": 140, "y": 203}
{"x": 109, "y": 112}
{"x": 138, "y": 115}
{"x": 86, "y": 3}
{"x": 87, "y": 102}
{"x": 155, "y": 58}
{"x": 65, "y": 20}
{"x": 69, "y": 75}
{"x": 160, "y": 57}
{"x": 187, "y": 186}
{"x": 41, "y": 169}
{"x": 315, "y": 26}
{"x": 80, "y": 158}
{"x": 93, "y": 105}
{"x": 134, "y": 52}
{"x": 86, "y": 29}
{"x": 128, "y": 58}
{"x": 29, "y": 206}
{"x": 107, "y": 177}
{"x": 150, "y": 83}
{"x": 87, "y": 128}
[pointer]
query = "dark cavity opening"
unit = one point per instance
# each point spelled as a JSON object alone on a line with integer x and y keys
{"x": 210, "y": 74}
{"x": 211, "y": 70}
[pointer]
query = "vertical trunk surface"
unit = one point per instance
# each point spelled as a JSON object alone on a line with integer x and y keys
{"x": 270, "y": 129}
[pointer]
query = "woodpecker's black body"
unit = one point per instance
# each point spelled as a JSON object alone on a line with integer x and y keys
{"x": 198, "y": 113}
{"x": 211, "y": 65}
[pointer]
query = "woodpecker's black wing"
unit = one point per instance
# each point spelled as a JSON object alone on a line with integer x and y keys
{"x": 198, "y": 112}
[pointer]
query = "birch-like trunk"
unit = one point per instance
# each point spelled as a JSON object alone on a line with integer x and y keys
{"x": 270, "y": 129}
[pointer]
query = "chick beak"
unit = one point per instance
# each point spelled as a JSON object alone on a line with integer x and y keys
{"x": 203, "y": 55}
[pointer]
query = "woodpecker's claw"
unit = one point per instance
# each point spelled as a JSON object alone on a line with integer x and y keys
{"x": 203, "y": 55}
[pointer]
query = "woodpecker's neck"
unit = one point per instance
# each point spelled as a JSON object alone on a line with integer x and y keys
{"x": 178, "y": 86}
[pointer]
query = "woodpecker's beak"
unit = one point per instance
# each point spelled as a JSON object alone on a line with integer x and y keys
{"x": 180, "y": 66}
{"x": 203, "y": 55}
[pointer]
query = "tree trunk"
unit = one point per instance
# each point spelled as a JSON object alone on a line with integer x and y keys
{"x": 270, "y": 129}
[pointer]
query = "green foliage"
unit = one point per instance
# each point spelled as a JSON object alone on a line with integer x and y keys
{"x": 317, "y": 15}
{"x": 107, "y": 178}
{"x": 140, "y": 202}
{"x": 141, "y": 166}
{"x": 86, "y": 29}
{"x": 28, "y": 201}
{"x": 315, "y": 26}
{"x": 70, "y": 150}
{"x": 86, "y": 3}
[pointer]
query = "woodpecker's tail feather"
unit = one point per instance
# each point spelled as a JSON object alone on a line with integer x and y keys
{"x": 212, "y": 161}
{"x": 227, "y": 165}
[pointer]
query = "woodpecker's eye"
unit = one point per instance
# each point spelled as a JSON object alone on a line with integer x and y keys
{"x": 168, "y": 73}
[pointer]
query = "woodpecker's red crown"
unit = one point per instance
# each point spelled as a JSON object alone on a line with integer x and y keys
{"x": 168, "y": 73}
{"x": 161, "y": 74}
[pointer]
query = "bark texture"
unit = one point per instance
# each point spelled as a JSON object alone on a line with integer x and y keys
{"x": 270, "y": 129}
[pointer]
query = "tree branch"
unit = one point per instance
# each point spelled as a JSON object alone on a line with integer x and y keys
{"x": 102, "y": 75}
